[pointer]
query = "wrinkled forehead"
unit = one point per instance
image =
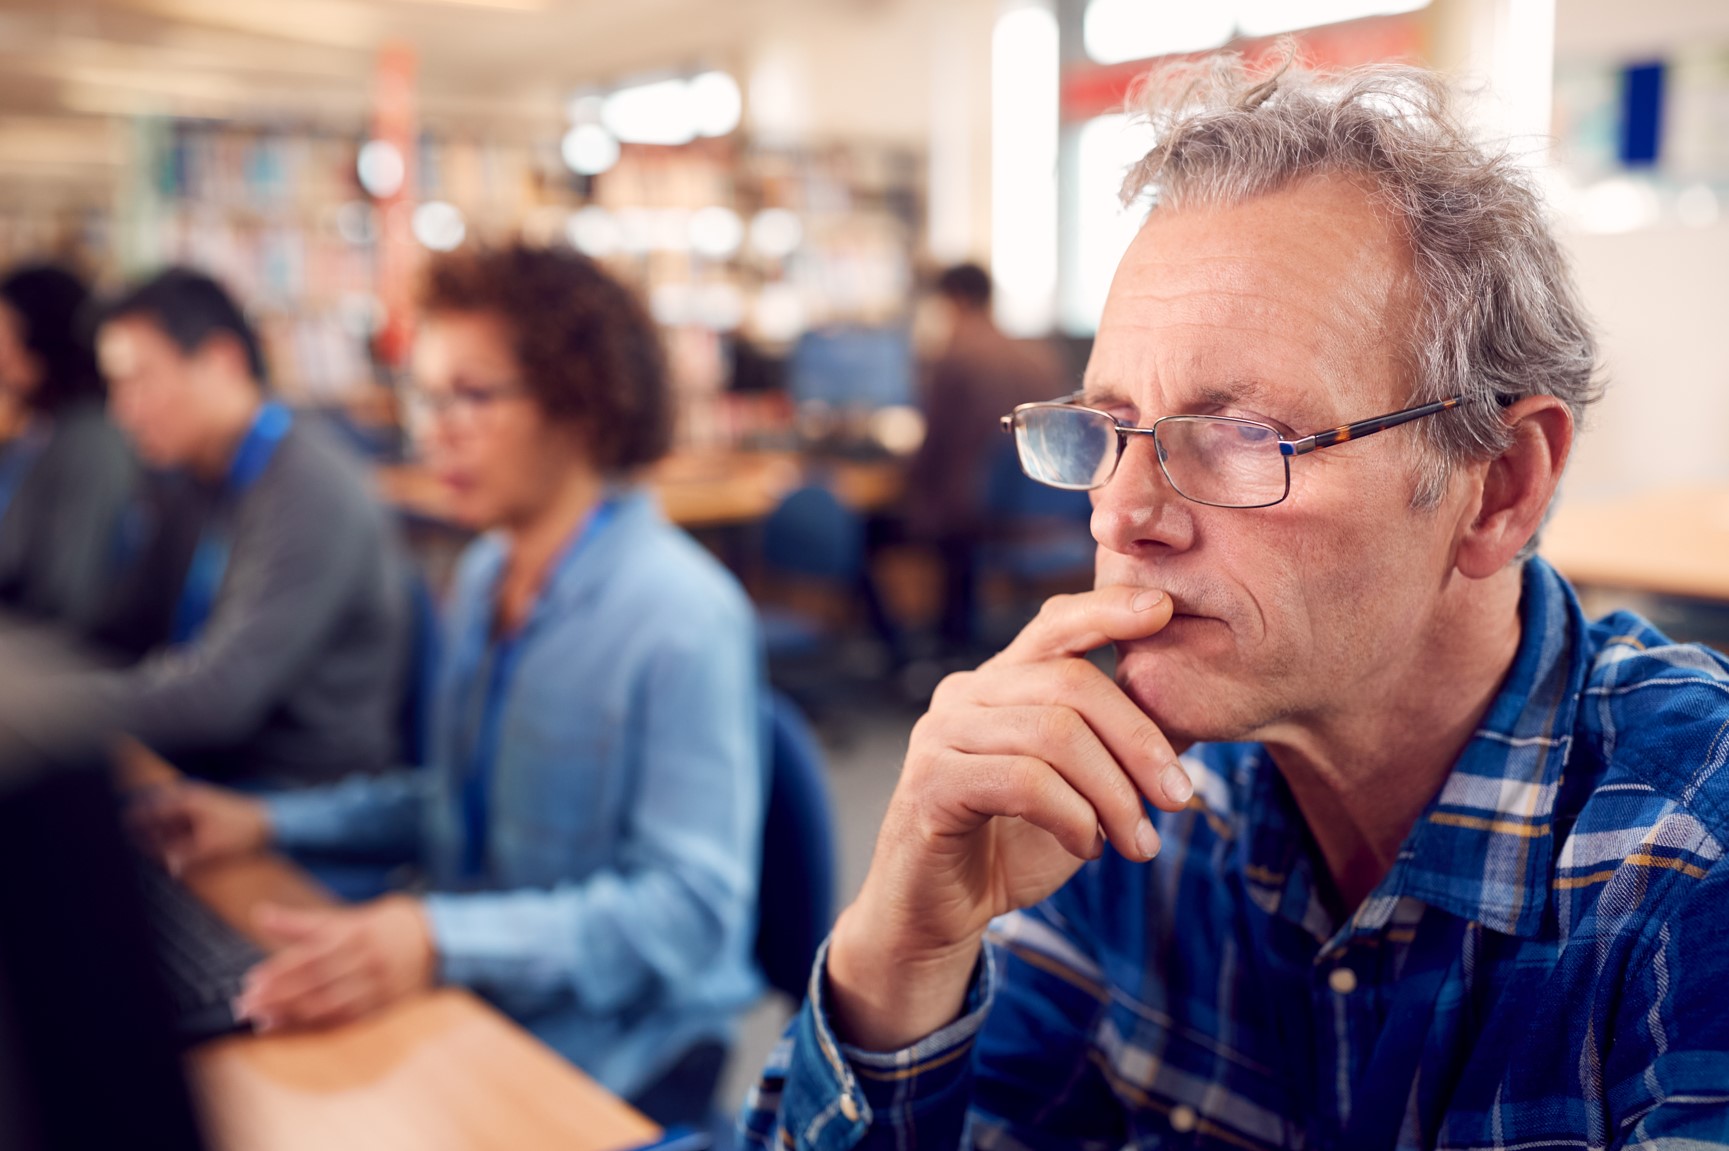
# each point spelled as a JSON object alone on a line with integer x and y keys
{"x": 1300, "y": 304}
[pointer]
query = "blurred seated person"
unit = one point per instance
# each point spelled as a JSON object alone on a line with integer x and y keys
{"x": 589, "y": 822}
{"x": 66, "y": 474}
{"x": 264, "y": 598}
{"x": 980, "y": 374}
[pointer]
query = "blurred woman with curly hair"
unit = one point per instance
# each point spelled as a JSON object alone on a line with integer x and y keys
{"x": 590, "y": 822}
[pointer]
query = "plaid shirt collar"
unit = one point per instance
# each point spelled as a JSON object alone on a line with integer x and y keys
{"x": 1484, "y": 849}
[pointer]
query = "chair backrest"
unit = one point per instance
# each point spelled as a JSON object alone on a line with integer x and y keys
{"x": 795, "y": 901}
{"x": 812, "y": 534}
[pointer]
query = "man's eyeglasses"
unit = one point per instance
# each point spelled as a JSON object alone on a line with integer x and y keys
{"x": 1222, "y": 461}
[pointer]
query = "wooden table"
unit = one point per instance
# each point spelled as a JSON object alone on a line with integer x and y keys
{"x": 441, "y": 1071}
{"x": 701, "y": 490}
{"x": 1670, "y": 541}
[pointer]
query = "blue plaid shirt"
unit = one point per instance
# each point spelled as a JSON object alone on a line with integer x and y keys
{"x": 1569, "y": 881}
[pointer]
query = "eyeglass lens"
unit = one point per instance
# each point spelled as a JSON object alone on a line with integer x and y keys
{"x": 1213, "y": 460}
{"x": 1066, "y": 447}
{"x": 1231, "y": 463}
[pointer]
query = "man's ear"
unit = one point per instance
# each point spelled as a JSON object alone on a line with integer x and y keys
{"x": 1517, "y": 485}
{"x": 223, "y": 353}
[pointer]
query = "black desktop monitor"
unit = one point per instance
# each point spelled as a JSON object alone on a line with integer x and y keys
{"x": 88, "y": 1055}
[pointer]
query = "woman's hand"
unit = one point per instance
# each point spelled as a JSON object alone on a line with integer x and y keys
{"x": 337, "y": 964}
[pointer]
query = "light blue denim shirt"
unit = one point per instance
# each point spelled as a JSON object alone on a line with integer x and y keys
{"x": 617, "y": 908}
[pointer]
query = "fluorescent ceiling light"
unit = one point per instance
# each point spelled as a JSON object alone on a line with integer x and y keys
{"x": 657, "y": 113}
{"x": 716, "y": 232}
{"x": 380, "y": 168}
{"x": 715, "y": 103}
{"x": 775, "y": 233}
{"x": 1270, "y": 17}
{"x": 1618, "y": 204}
{"x": 593, "y": 232}
{"x": 589, "y": 149}
{"x": 439, "y": 225}
{"x": 1118, "y": 30}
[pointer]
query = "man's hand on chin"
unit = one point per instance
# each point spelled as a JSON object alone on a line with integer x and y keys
{"x": 1020, "y": 772}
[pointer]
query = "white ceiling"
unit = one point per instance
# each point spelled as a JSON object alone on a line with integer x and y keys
{"x": 494, "y": 60}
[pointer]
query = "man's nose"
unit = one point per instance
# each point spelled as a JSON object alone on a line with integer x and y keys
{"x": 1138, "y": 509}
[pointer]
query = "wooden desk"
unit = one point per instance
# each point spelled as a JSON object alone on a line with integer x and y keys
{"x": 438, "y": 1072}
{"x": 700, "y": 490}
{"x": 1671, "y": 541}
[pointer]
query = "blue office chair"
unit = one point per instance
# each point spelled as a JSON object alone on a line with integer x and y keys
{"x": 795, "y": 900}
{"x": 813, "y": 539}
{"x": 1038, "y": 538}
{"x": 795, "y": 906}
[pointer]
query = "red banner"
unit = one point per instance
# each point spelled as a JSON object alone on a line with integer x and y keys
{"x": 394, "y": 124}
{"x": 1094, "y": 91}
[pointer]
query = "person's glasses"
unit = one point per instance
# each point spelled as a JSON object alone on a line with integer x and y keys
{"x": 1223, "y": 461}
{"x": 423, "y": 407}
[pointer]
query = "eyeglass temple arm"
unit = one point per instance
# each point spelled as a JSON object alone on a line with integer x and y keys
{"x": 1362, "y": 428}
{"x": 1007, "y": 423}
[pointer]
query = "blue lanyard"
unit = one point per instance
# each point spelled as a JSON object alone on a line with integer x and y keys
{"x": 16, "y": 460}
{"x": 480, "y": 755}
{"x": 210, "y": 558}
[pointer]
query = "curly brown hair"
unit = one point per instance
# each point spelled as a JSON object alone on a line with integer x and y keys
{"x": 589, "y": 351}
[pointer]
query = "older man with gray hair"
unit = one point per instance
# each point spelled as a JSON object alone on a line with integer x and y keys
{"x": 1373, "y": 840}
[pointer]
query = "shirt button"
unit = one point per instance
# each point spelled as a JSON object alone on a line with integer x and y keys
{"x": 849, "y": 1108}
{"x": 1183, "y": 1118}
{"x": 1343, "y": 980}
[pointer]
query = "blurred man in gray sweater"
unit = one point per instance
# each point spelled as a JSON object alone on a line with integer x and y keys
{"x": 263, "y": 596}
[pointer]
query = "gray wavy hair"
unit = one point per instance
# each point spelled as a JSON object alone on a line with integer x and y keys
{"x": 1500, "y": 317}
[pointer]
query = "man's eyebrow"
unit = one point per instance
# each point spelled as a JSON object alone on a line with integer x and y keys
{"x": 1217, "y": 394}
{"x": 1104, "y": 396}
{"x": 1223, "y": 394}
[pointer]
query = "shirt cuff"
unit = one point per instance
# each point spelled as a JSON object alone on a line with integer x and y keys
{"x": 298, "y": 819}
{"x": 835, "y": 1092}
{"x": 458, "y": 923}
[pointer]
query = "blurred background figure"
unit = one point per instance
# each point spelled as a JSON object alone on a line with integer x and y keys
{"x": 592, "y": 814}
{"x": 66, "y": 475}
{"x": 261, "y": 593}
{"x": 955, "y": 480}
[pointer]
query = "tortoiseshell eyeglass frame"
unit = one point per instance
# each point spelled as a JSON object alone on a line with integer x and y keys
{"x": 1301, "y": 446}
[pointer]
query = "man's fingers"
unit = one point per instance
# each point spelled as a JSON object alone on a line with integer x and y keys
{"x": 1022, "y": 787}
{"x": 1061, "y": 738}
{"x": 1132, "y": 739}
{"x": 1071, "y": 625}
